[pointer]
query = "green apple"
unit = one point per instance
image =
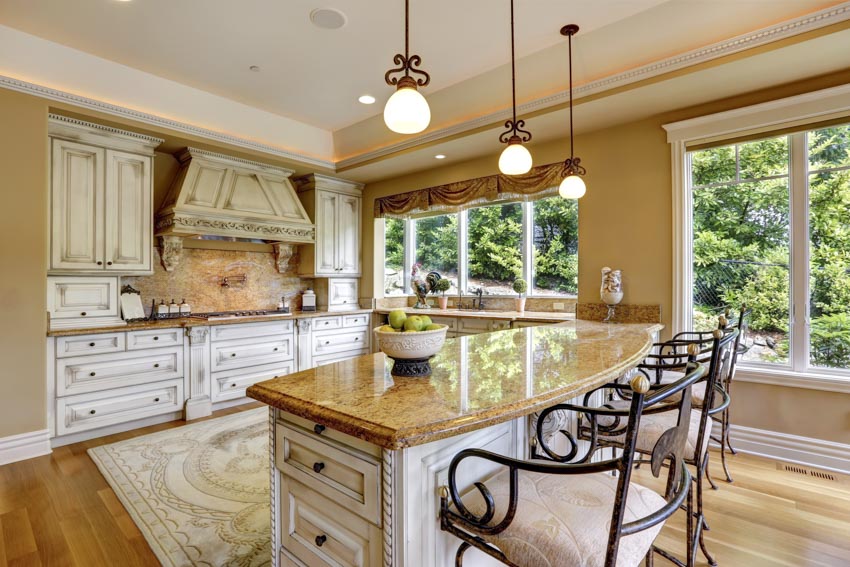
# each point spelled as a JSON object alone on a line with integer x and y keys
{"x": 397, "y": 318}
{"x": 413, "y": 323}
{"x": 425, "y": 321}
{"x": 433, "y": 327}
{"x": 387, "y": 329}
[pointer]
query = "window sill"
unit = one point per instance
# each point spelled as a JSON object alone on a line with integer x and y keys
{"x": 812, "y": 380}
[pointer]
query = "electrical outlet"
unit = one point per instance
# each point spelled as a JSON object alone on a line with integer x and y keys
{"x": 559, "y": 306}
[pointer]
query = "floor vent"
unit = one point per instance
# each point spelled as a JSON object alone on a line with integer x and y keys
{"x": 814, "y": 473}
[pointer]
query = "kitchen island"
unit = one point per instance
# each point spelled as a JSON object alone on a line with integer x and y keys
{"x": 358, "y": 456}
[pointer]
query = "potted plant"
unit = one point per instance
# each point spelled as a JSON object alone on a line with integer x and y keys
{"x": 443, "y": 286}
{"x": 520, "y": 286}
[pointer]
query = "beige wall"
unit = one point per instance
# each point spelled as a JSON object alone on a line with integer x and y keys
{"x": 23, "y": 257}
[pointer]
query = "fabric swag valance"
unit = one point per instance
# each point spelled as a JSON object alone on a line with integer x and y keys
{"x": 541, "y": 181}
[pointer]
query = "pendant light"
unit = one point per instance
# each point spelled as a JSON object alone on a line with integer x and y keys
{"x": 407, "y": 111}
{"x": 515, "y": 159}
{"x": 572, "y": 187}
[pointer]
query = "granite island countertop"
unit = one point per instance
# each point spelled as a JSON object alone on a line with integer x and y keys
{"x": 536, "y": 316}
{"x": 477, "y": 381}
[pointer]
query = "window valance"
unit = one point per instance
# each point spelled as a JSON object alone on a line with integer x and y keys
{"x": 541, "y": 181}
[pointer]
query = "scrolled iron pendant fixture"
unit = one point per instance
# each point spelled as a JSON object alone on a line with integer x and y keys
{"x": 515, "y": 159}
{"x": 572, "y": 187}
{"x": 407, "y": 111}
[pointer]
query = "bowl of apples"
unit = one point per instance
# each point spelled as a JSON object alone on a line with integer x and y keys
{"x": 410, "y": 340}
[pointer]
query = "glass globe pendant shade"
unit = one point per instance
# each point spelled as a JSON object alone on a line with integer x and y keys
{"x": 572, "y": 187}
{"x": 515, "y": 160}
{"x": 407, "y": 111}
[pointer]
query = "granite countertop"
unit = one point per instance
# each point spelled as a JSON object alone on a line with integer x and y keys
{"x": 477, "y": 381}
{"x": 542, "y": 316}
{"x": 195, "y": 322}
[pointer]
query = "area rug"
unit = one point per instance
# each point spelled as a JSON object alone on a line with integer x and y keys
{"x": 199, "y": 493}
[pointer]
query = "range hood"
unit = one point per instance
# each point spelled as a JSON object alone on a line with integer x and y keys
{"x": 223, "y": 196}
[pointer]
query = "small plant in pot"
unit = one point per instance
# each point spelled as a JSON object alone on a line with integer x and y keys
{"x": 443, "y": 286}
{"x": 520, "y": 286}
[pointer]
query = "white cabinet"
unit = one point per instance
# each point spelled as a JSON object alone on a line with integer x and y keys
{"x": 335, "y": 207}
{"x": 338, "y": 294}
{"x": 100, "y": 199}
{"x": 82, "y": 302}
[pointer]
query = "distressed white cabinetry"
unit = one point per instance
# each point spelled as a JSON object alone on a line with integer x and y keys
{"x": 82, "y": 302}
{"x": 101, "y": 198}
{"x": 335, "y": 207}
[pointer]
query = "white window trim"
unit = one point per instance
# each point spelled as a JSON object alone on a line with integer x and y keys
{"x": 792, "y": 112}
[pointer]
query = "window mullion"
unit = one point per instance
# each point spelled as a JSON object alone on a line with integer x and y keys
{"x": 528, "y": 245}
{"x": 409, "y": 251}
{"x": 462, "y": 252}
{"x": 799, "y": 341}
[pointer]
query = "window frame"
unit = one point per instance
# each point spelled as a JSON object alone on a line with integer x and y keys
{"x": 526, "y": 247}
{"x": 793, "y": 116}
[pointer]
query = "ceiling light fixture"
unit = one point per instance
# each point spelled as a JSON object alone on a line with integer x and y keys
{"x": 407, "y": 111}
{"x": 328, "y": 18}
{"x": 515, "y": 159}
{"x": 439, "y": 156}
{"x": 367, "y": 99}
{"x": 572, "y": 187}
{"x": 254, "y": 68}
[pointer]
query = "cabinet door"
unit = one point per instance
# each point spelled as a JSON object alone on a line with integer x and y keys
{"x": 76, "y": 207}
{"x": 129, "y": 219}
{"x": 348, "y": 225}
{"x": 326, "y": 231}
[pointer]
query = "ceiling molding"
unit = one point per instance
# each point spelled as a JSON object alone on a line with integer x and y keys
{"x": 692, "y": 58}
{"x": 153, "y": 120}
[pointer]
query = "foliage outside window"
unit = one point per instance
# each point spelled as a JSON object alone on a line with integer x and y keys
{"x": 536, "y": 241}
{"x": 744, "y": 203}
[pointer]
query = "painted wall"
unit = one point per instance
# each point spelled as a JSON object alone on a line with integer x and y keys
{"x": 23, "y": 257}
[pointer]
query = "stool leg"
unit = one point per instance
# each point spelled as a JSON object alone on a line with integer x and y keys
{"x": 708, "y": 473}
{"x": 724, "y": 443}
{"x": 702, "y": 524}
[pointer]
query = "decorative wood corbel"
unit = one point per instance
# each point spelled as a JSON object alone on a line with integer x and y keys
{"x": 170, "y": 250}
{"x": 283, "y": 254}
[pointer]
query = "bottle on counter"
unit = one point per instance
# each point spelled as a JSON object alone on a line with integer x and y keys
{"x": 185, "y": 309}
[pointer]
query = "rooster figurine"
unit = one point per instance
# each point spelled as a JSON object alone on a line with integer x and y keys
{"x": 422, "y": 286}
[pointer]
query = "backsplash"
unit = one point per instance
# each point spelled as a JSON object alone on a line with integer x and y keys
{"x": 198, "y": 280}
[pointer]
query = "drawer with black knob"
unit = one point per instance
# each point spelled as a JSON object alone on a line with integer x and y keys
{"x": 231, "y": 384}
{"x": 244, "y": 353}
{"x": 83, "y": 374}
{"x": 104, "y": 343}
{"x": 340, "y": 341}
{"x": 139, "y": 340}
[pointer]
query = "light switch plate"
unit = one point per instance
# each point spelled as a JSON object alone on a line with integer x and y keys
{"x": 559, "y": 306}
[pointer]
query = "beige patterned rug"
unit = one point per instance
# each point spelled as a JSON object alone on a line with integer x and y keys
{"x": 199, "y": 493}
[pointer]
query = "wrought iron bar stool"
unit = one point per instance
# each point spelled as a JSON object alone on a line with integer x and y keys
{"x": 538, "y": 512}
{"x": 665, "y": 362}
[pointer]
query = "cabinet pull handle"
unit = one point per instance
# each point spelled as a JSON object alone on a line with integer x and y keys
{"x": 232, "y": 354}
{"x": 93, "y": 412}
{"x": 317, "y": 467}
{"x": 327, "y": 342}
{"x": 275, "y": 349}
{"x": 156, "y": 399}
{"x": 156, "y": 365}
{"x": 233, "y": 385}
{"x": 109, "y": 263}
{"x": 327, "y": 323}
{"x": 319, "y": 429}
{"x": 321, "y": 539}
{"x": 92, "y": 373}
{"x": 156, "y": 338}
{"x": 99, "y": 263}
{"x": 83, "y": 314}
{"x": 91, "y": 344}
{"x": 356, "y": 338}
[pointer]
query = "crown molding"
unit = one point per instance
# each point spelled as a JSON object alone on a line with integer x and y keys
{"x": 692, "y": 58}
{"x": 153, "y": 120}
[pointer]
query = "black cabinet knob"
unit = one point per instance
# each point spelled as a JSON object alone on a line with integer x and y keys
{"x": 275, "y": 349}
{"x": 99, "y": 263}
{"x": 109, "y": 263}
{"x": 321, "y": 539}
{"x": 356, "y": 338}
{"x": 317, "y": 467}
{"x": 156, "y": 338}
{"x": 233, "y": 385}
{"x": 156, "y": 399}
{"x": 156, "y": 365}
{"x": 319, "y": 429}
{"x": 92, "y": 373}
{"x": 91, "y": 344}
{"x": 233, "y": 354}
{"x": 92, "y": 412}
{"x": 83, "y": 314}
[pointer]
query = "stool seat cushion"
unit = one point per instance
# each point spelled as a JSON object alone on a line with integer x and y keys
{"x": 653, "y": 425}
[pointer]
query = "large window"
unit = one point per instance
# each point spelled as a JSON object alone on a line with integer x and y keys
{"x": 771, "y": 229}
{"x": 489, "y": 247}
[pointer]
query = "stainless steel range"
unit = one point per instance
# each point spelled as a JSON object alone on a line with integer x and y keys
{"x": 220, "y": 315}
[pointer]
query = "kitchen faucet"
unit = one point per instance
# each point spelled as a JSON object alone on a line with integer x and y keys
{"x": 479, "y": 293}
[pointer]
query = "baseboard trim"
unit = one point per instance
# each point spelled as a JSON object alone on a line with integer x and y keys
{"x": 817, "y": 453}
{"x": 24, "y": 446}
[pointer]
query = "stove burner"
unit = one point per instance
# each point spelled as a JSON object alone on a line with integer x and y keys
{"x": 233, "y": 314}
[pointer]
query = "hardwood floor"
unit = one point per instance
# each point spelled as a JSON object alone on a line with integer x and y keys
{"x": 58, "y": 510}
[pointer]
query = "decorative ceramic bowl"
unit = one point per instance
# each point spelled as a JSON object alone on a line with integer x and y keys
{"x": 410, "y": 345}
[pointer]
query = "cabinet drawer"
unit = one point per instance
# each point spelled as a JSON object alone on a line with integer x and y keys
{"x": 250, "y": 330}
{"x": 349, "y": 478}
{"x": 330, "y": 343}
{"x": 82, "y": 297}
{"x": 89, "y": 344}
{"x": 473, "y": 326}
{"x": 318, "y": 532}
{"x": 339, "y": 357}
{"x": 450, "y": 322}
{"x": 231, "y": 355}
{"x": 91, "y": 373}
{"x": 343, "y": 294}
{"x": 90, "y": 411}
{"x": 353, "y": 321}
{"x": 233, "y": 383}
{"x": 327, "y": 323}
{"x": 323, "y": 433}
{"x": 137, "y": 340}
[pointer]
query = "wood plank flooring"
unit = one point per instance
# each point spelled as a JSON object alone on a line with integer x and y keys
{"x": 58, "y": 510}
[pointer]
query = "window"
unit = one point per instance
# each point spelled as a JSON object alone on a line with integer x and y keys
{"x": 770, "y": 229}
{"x": 436, "y": 246}
{"x": 489, "y": 247}
{"x": 394, "y": 257}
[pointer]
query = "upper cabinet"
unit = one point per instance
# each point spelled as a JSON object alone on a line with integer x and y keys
{"x": 101, "y": 199}
{"x": 335, "y": 206}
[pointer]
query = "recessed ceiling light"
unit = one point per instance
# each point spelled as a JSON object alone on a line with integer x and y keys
{"x": 367, "y": 99}
{"x": 328, "y": 18}
{"x": 439, "y": 156}
{"x": 254, "y": 68}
